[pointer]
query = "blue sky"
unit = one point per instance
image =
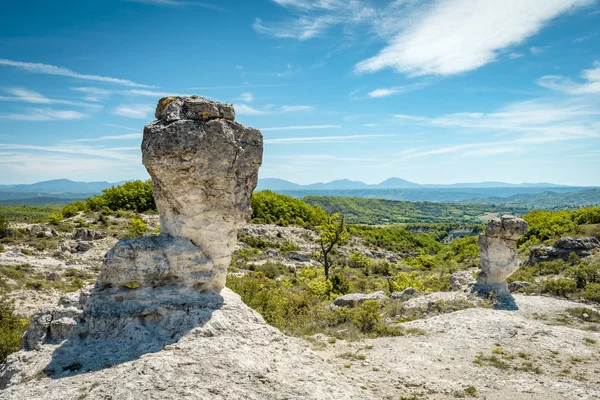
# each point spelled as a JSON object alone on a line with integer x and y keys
{"x": 430, "y": 91}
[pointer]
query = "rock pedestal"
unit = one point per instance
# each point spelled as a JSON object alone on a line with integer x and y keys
{"x": 204, "y": 167}
{"x": 498, "y": 249}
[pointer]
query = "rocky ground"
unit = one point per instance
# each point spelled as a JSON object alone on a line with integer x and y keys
{"x": 539, "y": 352}
{"x": 548, "y": 349}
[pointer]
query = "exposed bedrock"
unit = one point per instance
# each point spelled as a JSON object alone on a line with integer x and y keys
{"x": 498, "y": 249}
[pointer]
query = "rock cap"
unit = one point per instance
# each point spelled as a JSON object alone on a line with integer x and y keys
{"x": 506, "y": 227}
{"x": 176, "y": 108}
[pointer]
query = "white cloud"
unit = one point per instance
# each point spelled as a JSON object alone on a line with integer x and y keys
{"x": 128, "y": 136}
{"x": 297, "y": 108}
{"x": 454, "y": 36}
{"x": 111, "y": 153}
{"x": 535, "y": 50}
{"x": 122, "y": 127}
{"x": 301, "y": 28}
{"x": 138, "y": 111}
{"x": 315, "y": 17}
{"x": 383, "y": 92}
{"x": 29, "y": 96}
{"x": 299, "y": 127}
{"x": 591, "y": 84}
{"x": 54, "y": 70}
{"x": 323, "y": 139}
{"x": 243, "y": 109}
{"x": 247, "y": 97}
{"x": 47, "y": 114}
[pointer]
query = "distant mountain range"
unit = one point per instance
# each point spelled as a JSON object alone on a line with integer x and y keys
{"x": 60, "y": 186}
{"x": 391, "y": 183}
{"x": 58, "y": 191}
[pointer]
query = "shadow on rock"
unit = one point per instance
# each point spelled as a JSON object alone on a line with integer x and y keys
{"x": 114, "y": 329}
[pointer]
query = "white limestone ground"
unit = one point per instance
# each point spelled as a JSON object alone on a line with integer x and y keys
{"x": 235, "y": 355}
{"x": 440, "y": 365}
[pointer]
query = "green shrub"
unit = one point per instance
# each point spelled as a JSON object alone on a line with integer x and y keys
{"x": 1, "y": 248}
{"x": 592, "y": 292}
{"x": 135, "y": 196}
{"x": 55, "y": 218}
{"x": 137, "y": 227}
{"x": 559, "y": 286}
{"x": 3, "y": 225}
{"x": 72, "y": 209}
{"x": 11, "y": 329}
{"x": 584, "y": 273}
{"x": 367, "y": 317}
{"x": 269, "y": 269}
{"x": 255, "y": 241}
{"x": 272, "y": 208}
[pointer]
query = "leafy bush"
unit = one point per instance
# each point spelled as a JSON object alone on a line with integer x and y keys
{"x": 559, "y": 286}
{"x": 272, "y": 208}
{"x": 72, "y": 209}
{"x": 592, "y": 292}
{"x": 137, "y": 227}
{"x": 135, "y": 196}
{"x": 11, "y": 329}
{"x": 55, "y": 218}
{"x": 584, "y": 273}
{"x": 396, "y": 239}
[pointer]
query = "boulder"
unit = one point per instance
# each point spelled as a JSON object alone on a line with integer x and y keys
{"x": 562, "y": 249}
{"x": 354, "y": 299}
{"x": 405, "y": 295}
{"x": 516, "y": 285}
{"x": 298, "y": 256}
{"x": 462, "y": 281}
{"x": 87, "y": 234}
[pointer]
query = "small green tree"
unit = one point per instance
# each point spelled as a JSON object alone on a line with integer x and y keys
{"x": 331, "y": 233}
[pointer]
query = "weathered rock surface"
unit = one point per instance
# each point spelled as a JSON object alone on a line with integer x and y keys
{"x": 499, "y": 258}
{"x": 404, "y": 295}
{"x": 231, "y": 354}
{"x": 87, "y": 234}
{"x": 562, "y": 249}
{"x": 462, "y": 281}
{"x": 516, "y": 285}
{"x": 354, "y": 299}
{"x": 204, "y": 167}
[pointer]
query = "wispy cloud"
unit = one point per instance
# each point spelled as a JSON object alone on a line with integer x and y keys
{"x": 128, "y": 136}
{"x": 480, "y": 30}
{"x": 243, "y": 109}
{"x": 299, "y": 127}
{"x": 46, "y": 114}
{"x": 122, "y": 127}
{"x": 590, "y": 84}
{"x": 177, "y": 3}
{"x": 246, "y": 97}
{"x": 324, "y": 139}
{"x": 416, "y": 30}
{"x": 297, "y": 108}
{"x": 112, "y": 153}
{"x": 47, "y": 69}
{"x": 29, "y": 96}
{"x": 137, "y": 111}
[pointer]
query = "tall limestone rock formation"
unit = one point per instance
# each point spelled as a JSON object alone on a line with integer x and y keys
{"x": 498, "y": 249}
{"x": 159, "y": 324}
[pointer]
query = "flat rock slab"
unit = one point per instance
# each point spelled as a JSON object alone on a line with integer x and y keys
{"x": 235, "y": 355}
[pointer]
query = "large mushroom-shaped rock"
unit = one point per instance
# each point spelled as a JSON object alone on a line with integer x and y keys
{"x": 204, "y": 167}
{"x": 499, "y": 258}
